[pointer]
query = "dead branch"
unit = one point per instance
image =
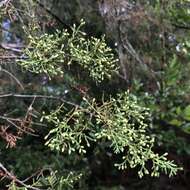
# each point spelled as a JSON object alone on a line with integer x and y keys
{"x": 12, "y": 177}
{"x": 12, "y": 76}
{"x": 39, "y": 97}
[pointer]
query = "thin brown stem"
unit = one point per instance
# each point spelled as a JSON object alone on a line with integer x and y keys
{"x": 13, "y": 77}
{"x": 38, "y": 97}
{"x": 16, "y": 126}
{"x": 12, "y": 177}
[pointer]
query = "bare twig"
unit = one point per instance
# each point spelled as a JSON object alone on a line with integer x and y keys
{"x": 39, "y": 97}
{"x": 12, "y": 76}
{"x": 11, "y": 57}
{"x": 12, "y": 177}
{"x": 52, "y": 14}
{"x": 30, "y": 108}
{"x": 20, "y": 120}
{"x": 10, "y": 121}
{"x": 33, "y": 175}
{"x": 11, "y": 47}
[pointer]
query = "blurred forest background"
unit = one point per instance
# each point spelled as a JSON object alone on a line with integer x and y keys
{"x": 147, "y": 57}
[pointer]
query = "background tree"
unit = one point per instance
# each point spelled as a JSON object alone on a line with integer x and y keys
{"x": 61, "y": 84}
